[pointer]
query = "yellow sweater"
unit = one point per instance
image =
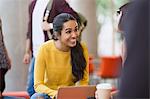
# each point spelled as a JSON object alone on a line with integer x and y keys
{"x": 53, "y": 69}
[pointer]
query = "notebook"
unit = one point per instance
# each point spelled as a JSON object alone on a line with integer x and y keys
{"x": 76, "y": 92}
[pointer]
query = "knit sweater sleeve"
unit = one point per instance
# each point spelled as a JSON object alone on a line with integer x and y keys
{"x": 39, "y": 73}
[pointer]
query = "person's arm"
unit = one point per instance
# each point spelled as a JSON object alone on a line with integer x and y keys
{"x": 28, "y": 52}
{"x": 46, "y": 26}
{"x": 85, "y": 80}
{"x": 39, "y": 73}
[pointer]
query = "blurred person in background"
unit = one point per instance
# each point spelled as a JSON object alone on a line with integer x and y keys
{"x": 5, "y": 63}
{"x": 28, "y": 56}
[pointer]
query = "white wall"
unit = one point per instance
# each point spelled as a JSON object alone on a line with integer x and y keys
{"x": 88, "y": 9}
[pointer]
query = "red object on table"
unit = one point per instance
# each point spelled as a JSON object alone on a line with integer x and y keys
{"x": 91, "y": 65}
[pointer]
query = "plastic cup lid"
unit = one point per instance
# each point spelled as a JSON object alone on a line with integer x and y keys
{"x": 104, "y": 86}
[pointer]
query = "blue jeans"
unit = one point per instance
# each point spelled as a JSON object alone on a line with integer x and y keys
{"x": 9, "y": 97}
{"x": 30, "y": 82}
{"x": 40, "y": 96}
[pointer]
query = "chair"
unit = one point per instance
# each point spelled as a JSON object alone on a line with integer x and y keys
{"x": 110, "y": 66}
{"x": 91, "y": 65}
{"x": 109, "y": 69}
{"x": 21, "y": 94}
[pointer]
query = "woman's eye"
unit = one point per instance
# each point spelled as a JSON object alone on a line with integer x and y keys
{"x": 68, "y": 32}
{"x": 75, "y": 30}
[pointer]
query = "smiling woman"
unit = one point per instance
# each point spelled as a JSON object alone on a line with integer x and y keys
{"x": 62, "y": 61}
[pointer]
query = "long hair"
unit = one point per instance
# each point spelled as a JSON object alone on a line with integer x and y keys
{"x": 78, "y": 61}
{"x": 124, "y": 9}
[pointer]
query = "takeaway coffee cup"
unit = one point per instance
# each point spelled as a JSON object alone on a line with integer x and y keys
{"x": 104, "y": 90}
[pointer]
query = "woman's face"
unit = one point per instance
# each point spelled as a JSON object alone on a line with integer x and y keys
{"x": 69, "y": 34}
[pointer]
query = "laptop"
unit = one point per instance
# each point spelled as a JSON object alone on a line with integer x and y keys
{"x": 77, "y": 92}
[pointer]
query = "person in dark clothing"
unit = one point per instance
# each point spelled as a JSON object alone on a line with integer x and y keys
{"x": 5, "y": 63}
{"x": 57, "y": 7}
{"x": 135, "y": 79}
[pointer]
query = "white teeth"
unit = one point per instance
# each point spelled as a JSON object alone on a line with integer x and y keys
{"x": 73, "y": 40}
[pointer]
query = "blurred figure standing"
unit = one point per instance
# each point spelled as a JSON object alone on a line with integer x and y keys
{"x": 28, "y": 56}
{"x": 5, "y": 63}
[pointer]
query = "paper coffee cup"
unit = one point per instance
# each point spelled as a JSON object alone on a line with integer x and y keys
{"x": 104, "y": 90}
